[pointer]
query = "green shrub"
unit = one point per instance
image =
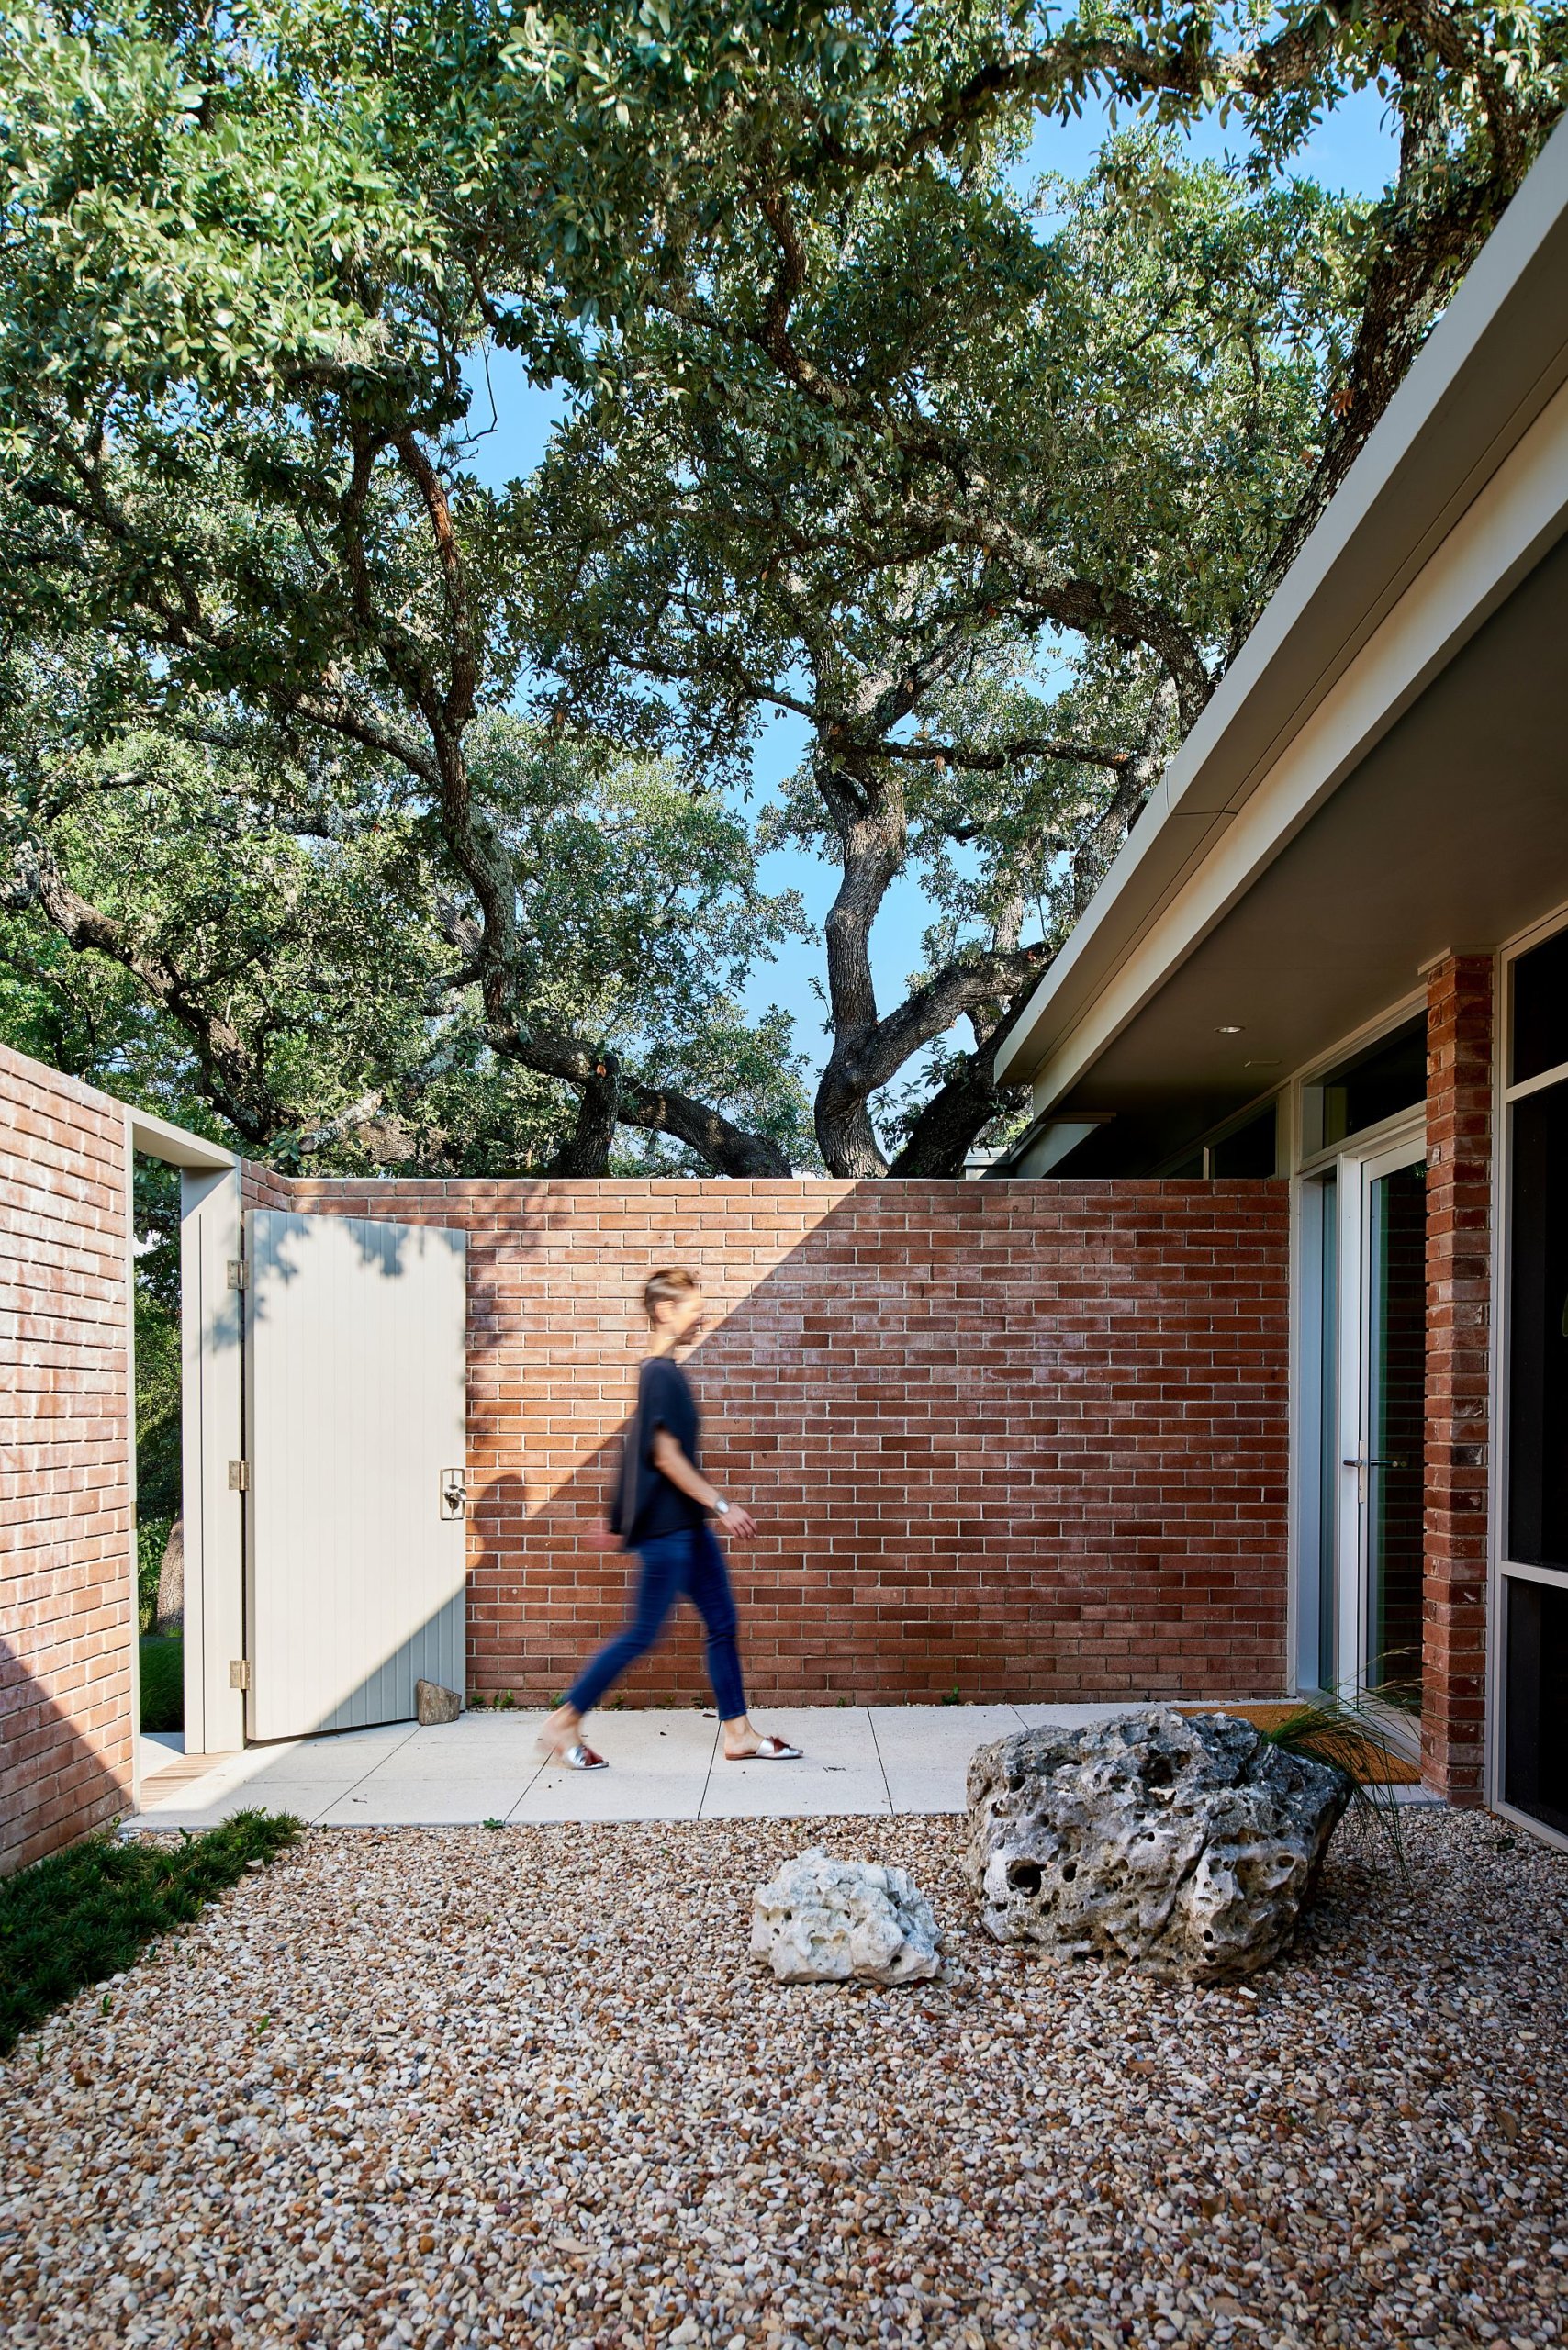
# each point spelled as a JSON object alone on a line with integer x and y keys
{"x": 90, "y": 1911}
{"x": 163, "y": 1681}
{"x": 151, "y": 1539}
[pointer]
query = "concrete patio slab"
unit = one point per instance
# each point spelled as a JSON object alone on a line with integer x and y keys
{"x": 1074, "y": 1716}
{"x": 840, "y": 1772}
{"x": 804, "y": 1790}
{"x": 426, "y": 1804}
{"x": 665, "y": 1764}
{"x": 609, "y": 1795}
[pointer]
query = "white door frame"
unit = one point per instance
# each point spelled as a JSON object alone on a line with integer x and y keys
{"x": 209, "y": 1426}
{"x": 1357, "y": 1170}
{"x": 1502, "y": 1570}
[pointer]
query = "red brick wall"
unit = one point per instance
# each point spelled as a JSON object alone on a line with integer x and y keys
{"x": 65, "y": 1612}
{"x": 1019, "y": 1439}
{"x": 1458, "y": 1306}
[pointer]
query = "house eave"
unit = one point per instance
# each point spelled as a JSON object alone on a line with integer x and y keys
{"x": 1486, "y": 374}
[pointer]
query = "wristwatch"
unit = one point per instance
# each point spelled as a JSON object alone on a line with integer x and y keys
{"x": 721, "y": 1509}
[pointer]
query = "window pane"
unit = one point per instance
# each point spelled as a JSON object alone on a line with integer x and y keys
{"x": 1389, "y": 1076}
{"x": 1250, "y": 1150}
{"x": 1535, "y": 1751}
{"x": 1541, "y": 1009}
{"x": 1538, "y": 1354}
{"x": 1396, "y": 1480}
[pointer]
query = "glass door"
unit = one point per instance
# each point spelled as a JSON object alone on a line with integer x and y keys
{"x": 1393, "y": 1417}
{"x": 1530, "y": 1771}
{"x": 1377, "y": 1425}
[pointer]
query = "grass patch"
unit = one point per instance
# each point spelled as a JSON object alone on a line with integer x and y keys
{"x": 163, "y": 1683}
{"x": 90, "y": 1911}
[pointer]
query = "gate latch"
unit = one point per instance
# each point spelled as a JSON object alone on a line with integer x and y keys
{"x": 453, "y": 1493}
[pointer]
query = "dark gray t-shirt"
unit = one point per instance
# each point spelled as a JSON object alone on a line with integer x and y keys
{"x": 646, "y": 1504}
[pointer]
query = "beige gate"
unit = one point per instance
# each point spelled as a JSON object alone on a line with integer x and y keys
{"x": 354, "y": 1536}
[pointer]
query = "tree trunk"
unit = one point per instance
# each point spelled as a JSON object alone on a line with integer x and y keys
{"x": 586, "y": 1151}
{"x": 169, "y": 1614}
{"x": 870, "y": 824}
{"x": 943, "y": 1134}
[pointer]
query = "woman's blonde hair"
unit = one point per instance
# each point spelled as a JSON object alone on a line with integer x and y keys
{"x": 665, "y": 1286}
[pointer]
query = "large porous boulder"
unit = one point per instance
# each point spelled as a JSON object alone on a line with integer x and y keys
{"x": 822, "y": 1921}
{"x": 1185, "y": 1844}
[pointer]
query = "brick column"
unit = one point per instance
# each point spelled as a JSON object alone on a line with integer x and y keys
{"x": 1459, "y": 1318}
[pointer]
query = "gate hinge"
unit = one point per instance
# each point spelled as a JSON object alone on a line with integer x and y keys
{"x": 240, "y": 1673}
{"x": 239, "y": 1476}
{"x": 236, "y": 1272}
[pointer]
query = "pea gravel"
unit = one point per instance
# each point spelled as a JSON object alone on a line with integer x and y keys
{"x": 421, "y": 2087}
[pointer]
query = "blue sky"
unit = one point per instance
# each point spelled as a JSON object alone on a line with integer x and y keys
{"x": 1353, "y": 149}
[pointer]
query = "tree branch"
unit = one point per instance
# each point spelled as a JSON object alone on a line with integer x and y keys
{"x": 234, "y": 1081}
{"x": 995, "y": 759}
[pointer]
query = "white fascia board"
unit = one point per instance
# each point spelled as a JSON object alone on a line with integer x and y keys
{"x": 1489, "y": 369}
{"x": 1522, "y": 513}
{"x": 158, "y": 1138}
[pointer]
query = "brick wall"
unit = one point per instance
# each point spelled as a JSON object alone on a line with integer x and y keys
{"x": 1018, "y": 1439}
{"x": 65, "y": 1612}
{"x": 1458, "y": 1242}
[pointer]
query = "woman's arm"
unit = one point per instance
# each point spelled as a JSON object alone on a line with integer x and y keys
{"x": 670, "y": 1462}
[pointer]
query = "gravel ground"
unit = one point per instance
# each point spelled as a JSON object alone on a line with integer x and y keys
{"x": 418, "y": 2086}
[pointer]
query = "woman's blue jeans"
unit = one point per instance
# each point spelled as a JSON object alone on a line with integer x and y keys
{"x": 688, "y": 1565}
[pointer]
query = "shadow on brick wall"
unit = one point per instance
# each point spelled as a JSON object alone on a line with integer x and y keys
{"x": 1003, "y": 1441}
{"x": 55, "y": 1784}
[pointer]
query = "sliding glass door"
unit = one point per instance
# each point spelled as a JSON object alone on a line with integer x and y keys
{"x": 1532, "y": 1772}
{"x": 1390, "y": 1468}
{"x": 1364, "y": 1258}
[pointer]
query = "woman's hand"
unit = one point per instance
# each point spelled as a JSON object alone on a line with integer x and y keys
{"x": 600, "y": 1536}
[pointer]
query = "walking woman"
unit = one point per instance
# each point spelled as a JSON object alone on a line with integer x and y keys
{"x": 662, "y": 1509}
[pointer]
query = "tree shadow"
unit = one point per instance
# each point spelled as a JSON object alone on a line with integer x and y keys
{"x": 999, "y": 1449}
{"x": 55, "y": 1783}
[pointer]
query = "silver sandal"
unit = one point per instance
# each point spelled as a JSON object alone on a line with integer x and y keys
{"x": 772, "y": 1750}
{"x": 575, "y": 1758}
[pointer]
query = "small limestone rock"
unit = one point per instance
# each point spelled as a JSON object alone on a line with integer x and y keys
{"x": 434, "y": 1704}
{"x": 1185, "y": 1844}
{"x": 822, "y": 1921}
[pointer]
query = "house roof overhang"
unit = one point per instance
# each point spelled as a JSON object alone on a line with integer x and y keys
{"x": 1380, "y": 773}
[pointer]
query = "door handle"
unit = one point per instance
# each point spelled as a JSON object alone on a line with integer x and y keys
{"x": 1375, "y": 1464}
{"x": 453, "y": 1493}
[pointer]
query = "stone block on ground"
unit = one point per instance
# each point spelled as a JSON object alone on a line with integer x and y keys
{"x": 1186, "y": 1845}
{"x": 432, "y": 1704}
{"x": 821, "y": 1920}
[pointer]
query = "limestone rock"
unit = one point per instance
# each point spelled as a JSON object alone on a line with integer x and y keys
{"x": 822, "y": 1921}
{"x": 1185, "y": 1844}
{"x": 434, "y": 1704}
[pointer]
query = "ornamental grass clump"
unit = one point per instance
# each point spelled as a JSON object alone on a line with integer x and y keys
{"x": 1350, "y": 1734}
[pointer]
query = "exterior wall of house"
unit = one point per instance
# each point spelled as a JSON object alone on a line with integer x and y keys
{"x": 66, "y": 1609}
{"x": 1009, "y": 1439}
{"x": 1459, "y": 1334}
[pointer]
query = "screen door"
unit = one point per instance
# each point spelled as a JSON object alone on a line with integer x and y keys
{"x": 354, "y": 1376}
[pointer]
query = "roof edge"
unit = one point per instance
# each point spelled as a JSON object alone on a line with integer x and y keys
{"x": 1484, "y": 375}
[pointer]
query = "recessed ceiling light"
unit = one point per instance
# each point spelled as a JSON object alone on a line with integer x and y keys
{"x": 1230, "y": 1028}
